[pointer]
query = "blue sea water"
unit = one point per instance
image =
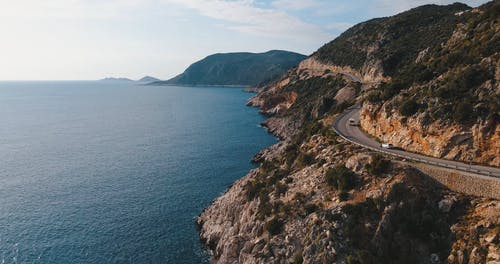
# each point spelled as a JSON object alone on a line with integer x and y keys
{"x": 96, "y": 172}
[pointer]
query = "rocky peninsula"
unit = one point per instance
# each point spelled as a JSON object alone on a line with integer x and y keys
{"x": 316, "y": 198}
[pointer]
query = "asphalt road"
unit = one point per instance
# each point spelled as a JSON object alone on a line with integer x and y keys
{"x": 356, "y": 136}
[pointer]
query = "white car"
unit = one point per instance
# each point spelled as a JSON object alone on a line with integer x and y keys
{"x": 387, "y": 145}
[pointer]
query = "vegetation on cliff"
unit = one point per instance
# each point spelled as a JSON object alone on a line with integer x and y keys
{"x": 315, "y": 198}
{"x": 237, "y": 68}
{"x": 457, "y": 66}
{"x": 400, "y": 38}
{"x": 445, "y": 97}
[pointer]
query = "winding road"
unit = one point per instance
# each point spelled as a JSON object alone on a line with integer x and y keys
{"x": 355, "y": 135}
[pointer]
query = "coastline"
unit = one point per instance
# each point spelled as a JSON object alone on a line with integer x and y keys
{"x": 198, "y": 85}
{"x": 258, "y": 157}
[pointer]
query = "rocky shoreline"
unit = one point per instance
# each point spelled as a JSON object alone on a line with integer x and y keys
{"x": 317, "y": 223}
{"x": 316, "y": 198}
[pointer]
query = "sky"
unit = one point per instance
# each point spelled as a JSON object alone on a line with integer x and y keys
{"x": 93, "y": 39}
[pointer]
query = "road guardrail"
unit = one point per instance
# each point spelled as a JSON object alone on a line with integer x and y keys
{"x": 454, "y": 167}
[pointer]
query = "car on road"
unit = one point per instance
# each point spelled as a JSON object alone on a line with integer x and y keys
{"x": 387, "y": 145}
{"x": 353, "y": 122}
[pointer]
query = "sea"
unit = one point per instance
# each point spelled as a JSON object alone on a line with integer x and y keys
{"x": 116, "y": 172}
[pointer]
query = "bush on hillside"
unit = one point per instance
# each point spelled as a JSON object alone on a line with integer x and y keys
{"x": 378, "y": 165}
{"x": 340, "y": 177}
{"x": 463, "y": 112}
{"x": 408, "y": 107}
{"x": 274, "y": 226}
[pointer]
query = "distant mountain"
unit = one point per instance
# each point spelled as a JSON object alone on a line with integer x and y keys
{"x": 148, "y": 79}
{"x": 113, "y": 79}
{"x": 241, "y": 68}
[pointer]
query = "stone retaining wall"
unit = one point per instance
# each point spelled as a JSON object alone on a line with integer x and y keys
{"x": 463, "y": 182}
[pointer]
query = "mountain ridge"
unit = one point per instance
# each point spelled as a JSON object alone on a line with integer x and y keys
{"x": 116, "y": 79}
{"x": 148, "y": 79}
{"x": 237, "y": 68}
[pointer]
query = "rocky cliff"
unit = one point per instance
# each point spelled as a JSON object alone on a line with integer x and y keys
{"x": 317, "y": 199}
{"x": 335, "y": 203}
{"x": 479, "y": 142}
{"x": 446, "y": 102}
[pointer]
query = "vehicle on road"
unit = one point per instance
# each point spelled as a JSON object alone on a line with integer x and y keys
{"x": 353, "y": 122}
{"x": 387, "y": 145}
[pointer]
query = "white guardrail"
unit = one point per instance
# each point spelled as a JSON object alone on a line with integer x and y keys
{"x": 444, "y": 165}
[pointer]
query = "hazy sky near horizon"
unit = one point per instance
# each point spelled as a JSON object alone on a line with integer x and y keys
{"x": 92, "y": 39}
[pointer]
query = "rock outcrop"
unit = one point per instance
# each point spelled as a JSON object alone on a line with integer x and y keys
{"x": 452, "y": 110}
{"x": 479, "y": 143}
{"x": 275, "y": 215}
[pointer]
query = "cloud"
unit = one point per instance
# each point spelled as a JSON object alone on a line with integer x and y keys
{"x": 68, "y": 9}
{"x": 397, "y": 6}
{"x": 339, "y": 26}
{"x": 244, "y": 16}
{"x": 296, "y": 5}
{"x": 321, "y": 8}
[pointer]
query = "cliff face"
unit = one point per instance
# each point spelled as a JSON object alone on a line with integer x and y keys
{"x": 479, "y": 143}
{"x": 341, "y": 205}
{"x": 310, "y": 91}
{"x": 318, "y": 199}
{"x": 279, "y": 96}
{"x": 451, "y": 111}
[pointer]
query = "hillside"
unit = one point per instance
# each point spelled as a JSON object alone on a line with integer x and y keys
{"x": 316, "y": 198}
{"x": 247, "y": 69}
{"x": 430, "y": 73}
{"x": 148, "y": 79}
{"x": 114, "y": 79}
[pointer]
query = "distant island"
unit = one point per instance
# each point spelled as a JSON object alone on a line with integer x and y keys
{"x": 242, "y": 68}
{"x": 145, "y": 79}
{"x": 113, "y": 79}
{"x": 148, "y": 79}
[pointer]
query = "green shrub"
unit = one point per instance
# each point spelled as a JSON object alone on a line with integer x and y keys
{"x": 374, "y": 97}
{"x": 265, "y": 207}
{"x": 361, "y": 257}
{"x": 298, "y": 258}
{"x": 280, "y": 189}
{"x": 268, "y": 166}
{"x": 274, "y": 226}
{"x": 352, "y": 260}
{"x": 299, "y": 197}
{"x": 391, "y": 89}
{"x": 408, "y": 107}
{"x": 252, "y": 189}
{"x": 278, "y": 206}
{"x": 291, "y": 153}
{"x": 463, "y": 112}
{"x": 340, "y": 177}
{"x": 310, "y": 208}
{"x": 344, "y": 196}
{"x": 305, "y": 159}
{"x": 339, "y": 108}
{"x": 378, "y": 165}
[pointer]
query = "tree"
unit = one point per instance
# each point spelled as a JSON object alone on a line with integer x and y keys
{"x": 409, "y": 107}
{"x": 340, "y": 177}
